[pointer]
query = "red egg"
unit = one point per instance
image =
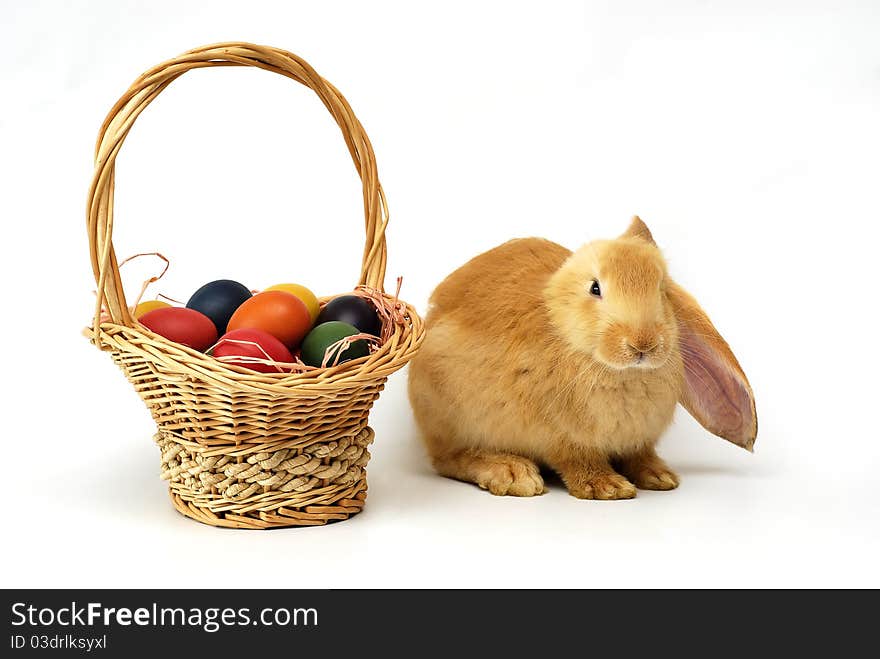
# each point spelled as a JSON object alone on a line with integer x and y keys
{"x": 281, "y": 314}
{"x": 252, "y": 343}
{"x": 181, "y": 325}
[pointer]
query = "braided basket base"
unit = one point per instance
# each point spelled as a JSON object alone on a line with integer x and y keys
{"x": 306, "y": 486}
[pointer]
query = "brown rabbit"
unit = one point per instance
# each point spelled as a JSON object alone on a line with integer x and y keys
{"x": 535, "y": 355}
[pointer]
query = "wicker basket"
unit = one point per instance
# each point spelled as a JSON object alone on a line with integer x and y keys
{"x": 240, "y": 448}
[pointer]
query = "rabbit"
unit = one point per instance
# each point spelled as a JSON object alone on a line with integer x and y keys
{"x": 536, "y": 356}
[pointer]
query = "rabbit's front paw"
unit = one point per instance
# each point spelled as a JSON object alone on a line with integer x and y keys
{"x": 606, "y": 486}
{"x": 649, "y": 472}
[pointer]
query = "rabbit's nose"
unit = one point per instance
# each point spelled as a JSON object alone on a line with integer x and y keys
{"x": 643, "y": 347}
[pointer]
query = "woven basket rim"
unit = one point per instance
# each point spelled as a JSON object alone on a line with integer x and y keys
{"x": 176, "y": 358}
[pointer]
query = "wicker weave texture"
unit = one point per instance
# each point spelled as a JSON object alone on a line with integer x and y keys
{"x": 240, "y": 448}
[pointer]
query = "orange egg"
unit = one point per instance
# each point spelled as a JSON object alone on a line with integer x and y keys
{"x": 149, "y": 305}
{"x": 281, "y": 314}
{"x": 303, "y": 294}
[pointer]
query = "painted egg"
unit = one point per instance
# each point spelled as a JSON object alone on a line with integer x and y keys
{"x": 218, "y": 300}
{"x": 149, "y": 305}
{"x": 303, "y": 294}
{"x": 185, "y": 326}
{"x": 326, "y": 334}
{"x": 353, "y": 310}
{"x": 281, "y": 314}
{"x": 256, "y": 344}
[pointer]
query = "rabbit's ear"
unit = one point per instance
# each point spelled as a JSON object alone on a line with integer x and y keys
{"x": 638, "y": 229}
{"x": 715, "y": 390}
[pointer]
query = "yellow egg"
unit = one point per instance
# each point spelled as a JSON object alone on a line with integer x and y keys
{"x": 303, "y": 294}
{"x": 149, "y": 305}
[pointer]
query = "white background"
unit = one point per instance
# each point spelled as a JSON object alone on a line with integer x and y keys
{"x": 746, "y": 134}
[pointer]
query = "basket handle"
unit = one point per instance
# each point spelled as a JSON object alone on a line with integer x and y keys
{"x": 110, "y": 294}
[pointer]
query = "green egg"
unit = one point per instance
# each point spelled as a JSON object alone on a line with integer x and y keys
{"x": 326, "y": 334}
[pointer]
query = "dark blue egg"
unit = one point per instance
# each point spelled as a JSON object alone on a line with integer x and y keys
{"x": 353, "y": 310}
{"x": 218, "y": 300}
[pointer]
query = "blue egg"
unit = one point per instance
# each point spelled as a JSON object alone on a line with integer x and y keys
{"x": 218, "y": 300}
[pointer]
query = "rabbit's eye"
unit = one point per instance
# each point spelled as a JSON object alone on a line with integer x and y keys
{"x": 595, "y": 291}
